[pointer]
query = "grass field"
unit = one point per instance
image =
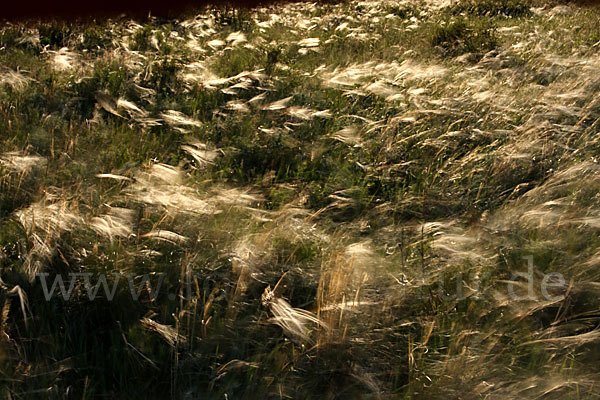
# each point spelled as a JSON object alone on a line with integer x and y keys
{"x": 355, "y": 200}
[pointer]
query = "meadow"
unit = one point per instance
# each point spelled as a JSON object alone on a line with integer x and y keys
{"x": 334, "y": 200}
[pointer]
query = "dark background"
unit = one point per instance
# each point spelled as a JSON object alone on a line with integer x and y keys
{"x": 15, "y": 10}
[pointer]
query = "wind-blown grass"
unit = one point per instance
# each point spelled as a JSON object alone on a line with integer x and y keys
{"x": 335, "y": 197}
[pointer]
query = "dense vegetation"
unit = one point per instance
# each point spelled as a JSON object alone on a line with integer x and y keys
{"x": 334, "y": 198}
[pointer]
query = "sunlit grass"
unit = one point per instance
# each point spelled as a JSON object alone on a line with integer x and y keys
{"x": 336, "y": 195}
